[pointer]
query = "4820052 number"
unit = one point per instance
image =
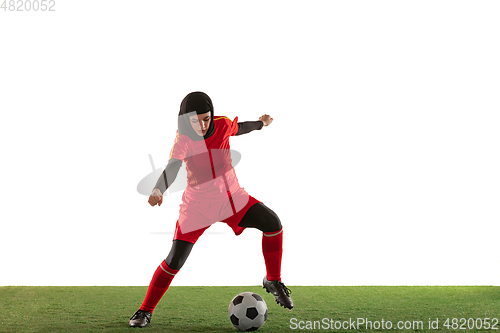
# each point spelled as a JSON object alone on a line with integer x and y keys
{"x": 28, "y": 5}
{"x": 471, "y": 323}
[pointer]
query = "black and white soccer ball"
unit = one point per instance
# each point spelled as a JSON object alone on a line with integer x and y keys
{"x": 247, "y": 311}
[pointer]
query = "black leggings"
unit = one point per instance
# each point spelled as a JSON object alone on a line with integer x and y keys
{"x": 258, "y": 216}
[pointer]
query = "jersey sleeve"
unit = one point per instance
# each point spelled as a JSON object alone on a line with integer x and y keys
{"x": 180, "y": 149}
{"x": 233, "y": 127}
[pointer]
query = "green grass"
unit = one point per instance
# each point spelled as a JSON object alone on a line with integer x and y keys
{"x": 204, "y": 309}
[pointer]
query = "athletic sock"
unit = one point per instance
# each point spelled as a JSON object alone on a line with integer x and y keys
{"x": 159, "y": 284}
{"x": 272, "y": 248}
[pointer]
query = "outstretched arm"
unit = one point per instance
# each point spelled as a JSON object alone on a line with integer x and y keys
{"x": 248, "y": 126}
{"x": 166, "y": 178}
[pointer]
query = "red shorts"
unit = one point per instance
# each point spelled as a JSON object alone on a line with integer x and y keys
{"x": 197, "y": 216}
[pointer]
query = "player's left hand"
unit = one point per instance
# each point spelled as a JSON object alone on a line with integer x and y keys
{"x": 266, "y": 119}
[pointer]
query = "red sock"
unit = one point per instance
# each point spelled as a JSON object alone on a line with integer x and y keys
{"x": 272, "y": 248}
{"x": 159, "y": 284}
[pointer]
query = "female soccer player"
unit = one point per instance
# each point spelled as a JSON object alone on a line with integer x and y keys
{"x": 213, "y": 194}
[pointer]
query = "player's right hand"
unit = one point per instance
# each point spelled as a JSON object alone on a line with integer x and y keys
{"x": 156, "y": 197}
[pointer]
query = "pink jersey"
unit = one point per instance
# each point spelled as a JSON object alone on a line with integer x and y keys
{"x": 208, "y": 162}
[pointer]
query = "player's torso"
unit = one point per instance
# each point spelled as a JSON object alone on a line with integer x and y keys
{"x": 209, "y": 165}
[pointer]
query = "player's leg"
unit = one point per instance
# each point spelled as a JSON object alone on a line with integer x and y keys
{"x": 165, "y": 273}
{"x": 261, "y": 217}
{"x": 161, "y": 280}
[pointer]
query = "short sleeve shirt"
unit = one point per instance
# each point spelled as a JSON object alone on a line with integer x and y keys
{"x": 208, "y": 162}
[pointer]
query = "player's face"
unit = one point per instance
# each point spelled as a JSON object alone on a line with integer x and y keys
{"x": 200, "y": 123}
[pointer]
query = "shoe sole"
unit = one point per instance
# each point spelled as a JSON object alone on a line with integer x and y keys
{"x": 140, "y": 326}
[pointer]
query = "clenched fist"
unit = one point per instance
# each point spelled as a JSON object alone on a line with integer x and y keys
{"x": 156, "y": 197}
{"x": 266, "y": 119}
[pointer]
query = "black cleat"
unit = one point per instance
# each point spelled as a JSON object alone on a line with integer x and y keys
{"x": 280, "y": 292}
{"x": 140, "y": 319}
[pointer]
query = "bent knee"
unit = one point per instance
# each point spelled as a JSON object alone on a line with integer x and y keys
{"x": 272, "y": 223}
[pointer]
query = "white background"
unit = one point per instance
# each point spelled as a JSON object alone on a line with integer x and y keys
{"x": 382, "y": 161}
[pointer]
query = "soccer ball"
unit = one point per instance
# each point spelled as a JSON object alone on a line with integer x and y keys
{"x": 247, "y": 311}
